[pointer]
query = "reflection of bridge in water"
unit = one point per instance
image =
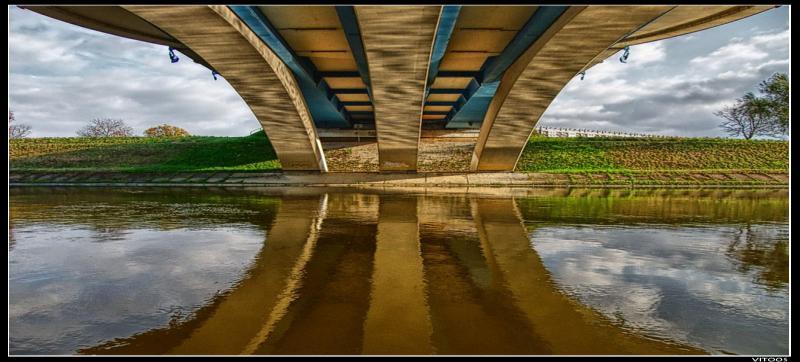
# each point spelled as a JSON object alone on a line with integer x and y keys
{"x": 394, "y": 274}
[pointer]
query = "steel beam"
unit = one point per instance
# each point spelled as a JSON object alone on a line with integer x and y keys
{"x": 338, "y": 74}
{"x": 351, "y": 91}
{"x": 347, "y": 16}
{"x": 478, "y": 99}
{"x": 324, "y": 110}
{"x": 447, "y": 91}
{"x": 444, "y": 30}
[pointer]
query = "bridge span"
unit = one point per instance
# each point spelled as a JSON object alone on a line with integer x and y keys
{"x": 398, "y": 69}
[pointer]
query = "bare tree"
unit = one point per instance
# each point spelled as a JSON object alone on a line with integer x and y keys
{"x": 106, "y": 127}
{"x": 17, "y": 130}
{"x": 749, "y": 117}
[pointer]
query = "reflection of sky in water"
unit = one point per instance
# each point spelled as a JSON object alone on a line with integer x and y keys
{"x": 75, "y": 286}
{"x": 670, "y": 281}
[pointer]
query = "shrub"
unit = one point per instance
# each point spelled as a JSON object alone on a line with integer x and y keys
{"x": 166, "y": 130}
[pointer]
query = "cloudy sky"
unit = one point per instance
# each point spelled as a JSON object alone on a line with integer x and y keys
{"x": 61, "y": 76}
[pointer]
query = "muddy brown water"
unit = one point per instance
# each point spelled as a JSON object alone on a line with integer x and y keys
{"x": 322, "y": 271}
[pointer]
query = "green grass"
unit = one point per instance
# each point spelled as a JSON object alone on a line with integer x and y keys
{"x": 141, "y": 154}
{"x": 622, "y": 155}
{"x": 254, "y": 153}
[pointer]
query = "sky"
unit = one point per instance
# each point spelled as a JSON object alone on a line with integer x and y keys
{"x": 61, "y": 76}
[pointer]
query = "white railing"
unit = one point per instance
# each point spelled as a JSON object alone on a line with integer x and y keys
{"x": 578, "y": 132}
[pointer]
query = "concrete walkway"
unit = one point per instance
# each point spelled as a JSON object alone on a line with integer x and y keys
{"x": 335, "y": 179}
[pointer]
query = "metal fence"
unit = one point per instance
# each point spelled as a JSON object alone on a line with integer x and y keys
{"x": 577, "y": 132}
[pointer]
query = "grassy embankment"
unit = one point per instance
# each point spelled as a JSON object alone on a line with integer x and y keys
{"x": 254, "y": 153}
{"x": 141, "y": 154}
{"x": 610, "y": 155}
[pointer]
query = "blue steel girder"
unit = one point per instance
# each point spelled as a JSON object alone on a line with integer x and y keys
{"x": 471, "y": 114}
{"x": 347, "y": 17}
{"x": 464, "y": 95}
{"x": 322, "y": 102}
{"x": 444, "y": 30}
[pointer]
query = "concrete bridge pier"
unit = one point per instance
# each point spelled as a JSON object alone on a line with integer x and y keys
{"x": 526, "y": 89}
{"x": 268, "y": 87}
{"x": 398, "y": 41}
{"x": 347, "y": 68}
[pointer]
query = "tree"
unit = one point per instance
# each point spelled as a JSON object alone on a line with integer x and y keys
{"x": 166, "y": 130}
{"x": 106, "y": 127}
{"x": 17, "y": 130}
{"x": 749, "y": 117}
{"x": 776, "y": 93}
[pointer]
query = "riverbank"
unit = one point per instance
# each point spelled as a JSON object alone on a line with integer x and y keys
{"x": 255, "y": 154}
{"x": 143, "y": 154}
{"x": 336, "y": 179}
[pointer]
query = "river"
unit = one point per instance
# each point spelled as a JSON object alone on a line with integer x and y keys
{"x": 324, "y": 271}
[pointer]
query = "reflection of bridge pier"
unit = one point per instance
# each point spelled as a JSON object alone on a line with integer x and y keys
{"x": 567, "y": 326}
{"x": 245, "y": 311}
{"x": 323, "y": 315}
{"x": 229, "y": 322}
{"x": 394, "y": 274}
{"x": 398, "y": 320}
{"x": 469, "y": 312}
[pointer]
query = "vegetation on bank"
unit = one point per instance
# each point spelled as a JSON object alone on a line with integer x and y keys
{"x": 144, "y": 154}
{"x": 254, "y": 153}
{"x": 652, "y": 154}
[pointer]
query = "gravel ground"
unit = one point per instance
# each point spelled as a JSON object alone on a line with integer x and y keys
{"x": 444, "y": 155}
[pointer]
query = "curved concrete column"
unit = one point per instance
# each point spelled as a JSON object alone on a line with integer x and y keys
{"x": 682, "y": 20}
{"x": 268, "y": 87}
{"x": 398, "y": 41}
{"x": 539, "y": 74}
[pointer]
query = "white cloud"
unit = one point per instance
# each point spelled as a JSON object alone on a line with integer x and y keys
{"x": 61, "y": 76}
{"x": 662, "y": 280}
{"x": 673, "y": 87}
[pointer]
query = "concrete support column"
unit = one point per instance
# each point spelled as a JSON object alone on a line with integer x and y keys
{"x": 398, "y": 41}
{"x": 268, "y": 87}
{"x": 538, "y": 75}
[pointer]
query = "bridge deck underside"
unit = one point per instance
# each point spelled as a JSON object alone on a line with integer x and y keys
{"x": 480, "y": 34}
{"x": 369, "y": 65}
{"x": 315, "y": 33}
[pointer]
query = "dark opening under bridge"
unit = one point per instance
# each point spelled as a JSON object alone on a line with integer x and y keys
{"x": 398, "y": 69}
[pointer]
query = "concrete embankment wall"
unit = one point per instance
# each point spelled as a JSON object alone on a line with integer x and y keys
{"x": 492, "y": 179}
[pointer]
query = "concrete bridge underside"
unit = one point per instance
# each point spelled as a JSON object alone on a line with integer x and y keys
{"x": 398, "y": 69}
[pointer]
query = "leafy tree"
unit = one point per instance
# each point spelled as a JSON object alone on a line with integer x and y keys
{"x": 106, "y": 127}
{"x": 17, "y": 130}
{"x": 166, "y": 130}
{"x": 766, "y": 115}
{"x": 749, "y": 117}
{"x": 776, "y": 92}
